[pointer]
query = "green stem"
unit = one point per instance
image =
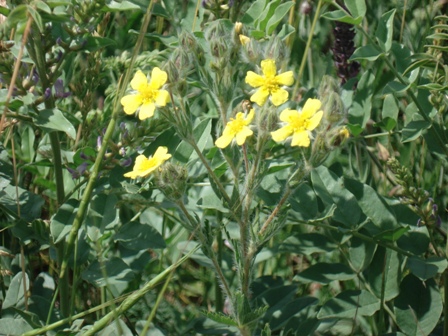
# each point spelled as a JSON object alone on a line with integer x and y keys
{"x": 109, "y": 131}
{"x": 307, "y": 47}
{"x": 125, "y": 305}
{"x": 276, "y": 210}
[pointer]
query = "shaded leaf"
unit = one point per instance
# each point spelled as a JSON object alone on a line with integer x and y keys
{"x": 349, "y": 304}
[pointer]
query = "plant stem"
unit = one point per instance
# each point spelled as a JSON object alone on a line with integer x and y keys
{"x": 109, "y": 131}
{"x": 125, "y": 305}
{"x": 307, "y": 47}
{"x": 274, "y": 213}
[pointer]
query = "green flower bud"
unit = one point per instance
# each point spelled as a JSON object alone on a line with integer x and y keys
{"x": 172, "y": 180}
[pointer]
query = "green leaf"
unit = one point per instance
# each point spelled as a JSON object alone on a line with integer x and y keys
{"x": 102, "y": 215}
{"x": 36, "y": 17}
{"x": 51, "y": 120}
{"x": 30, "y": 204}
{"x": 15, "y": 295}
{"x": 268, "y": 12}
{"x": 357, "y": 8}
{"x": 297, "y": 308}
{"x": 286, "y": 31}
{"x": 331, "y": 190}
{"x": 304, "y": 203}
{"x": 418, "y": 307}
{"x": 254, "y": 12}
{"x": 385, "y": 29}
{"x": 390, "y": 112}
{"x": 137, "y": 237}
{"x": 94, "y": 43}
{"x": 414, "y": 129}
{"x": 324, "y": 273}
{"x": 425, "y": 269}
{"x": 368, "y": 52}
{"x": 359, "y": 112}
{"x": 373, "y": 206}
{"x": 395, "y": 87}
{"x": 14, "y": 326}
{"x": 115, "y": 6}
{"x": 62, "y": 221}
{"x": 339, "y": 15}
{"x": 349, "y": 304}
{"x": 17, "y": 15}
{"x": 392, "y": 235}
{"x": 279, "y": 13}
{"x": 360, "y": 254}
{"x": 108, "y": 272}
{"x": 308, "y": 243}
{"x": 384, "y": 273}
{"x": 185, "y": 152}
{"x": 220, "y": 318}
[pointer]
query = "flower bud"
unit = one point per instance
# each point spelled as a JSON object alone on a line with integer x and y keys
{"x": 172, "y": 180}
{"x": 276, "y": 49}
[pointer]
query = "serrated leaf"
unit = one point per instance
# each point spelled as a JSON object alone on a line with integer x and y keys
{"x": 221, "y": 318}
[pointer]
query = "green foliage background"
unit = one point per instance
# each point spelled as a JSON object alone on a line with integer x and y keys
{"x": 346, "y": 237}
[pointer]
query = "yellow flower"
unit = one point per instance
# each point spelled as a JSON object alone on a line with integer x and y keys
{"x": 148, "y": 95}
{"x": 269, "y": 84}
{"x": 145, "y": 166}
{"x": 344, "y": 133}
{"x": 299, "y": 123}
{"x": 236, "y": 128}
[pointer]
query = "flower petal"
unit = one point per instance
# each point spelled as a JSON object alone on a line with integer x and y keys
{"x": 268, "y": 67}
{"x": 279, "y": 96}
{"x": 281, "y": 134}
{"x": 289, "y": 115}
{"x": 146, "y": 111}
{"x": 286, "y": 78}
{"x": 131, "y": 103}
{"x": 300, "y": 138}
{"x": 311, "y": 106}
{"x": 254, "y": 80}
{"x": 260, "y": 96}
{"x": 314, "y": 121}
{"x": 224, "y": 140}
{"x": 139, "y": 80}
{"x": 244, "y": 39}
{"x": 162, "y": 154}
{"x": 250, "y": 117}
{"x": 243, "y": 134}
{"x": 158, "y": 78}
{"x": 162, "y": 97}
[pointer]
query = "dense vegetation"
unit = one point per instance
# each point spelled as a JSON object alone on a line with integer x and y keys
{"x": 243, "y": 167}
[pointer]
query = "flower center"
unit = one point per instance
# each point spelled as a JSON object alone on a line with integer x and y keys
{"x": 299, "y": 124}
{"x": 148, "y": 94}
{"x": 236, "y": 125}
{"x": 271, "y": 84}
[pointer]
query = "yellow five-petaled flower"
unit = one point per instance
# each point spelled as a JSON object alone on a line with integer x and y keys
{"x": 299, "y": 124}
{"x": 145, "y": 166}
{"x": 236, "y": 128}
{"x": 148, "y": 95}
{"x": 269, "y": 84}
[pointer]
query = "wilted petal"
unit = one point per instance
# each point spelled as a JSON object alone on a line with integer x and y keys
{"x": 314, "y": 120}
{"x": 146, "y": 111}
{"x": 131, "y": 103}
{"x": 158, "y": 78}
{"x": 260, "y": 96}
{"x": 268, "y": 67}
{"x": 254, "y": 80}
{"x": 281, "y": 134}
{"x": 139, "y": 80}
{"x": 286, "y": 78}
{"x": 279, "y": 96}
{"x": 300, "y": 139}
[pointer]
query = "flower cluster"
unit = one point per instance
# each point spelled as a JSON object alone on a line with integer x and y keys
{"x": 299, "y": 124}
